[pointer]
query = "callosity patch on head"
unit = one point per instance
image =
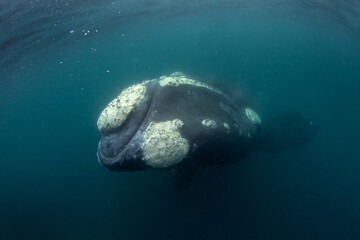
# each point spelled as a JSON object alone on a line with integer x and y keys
{"x": 177, "y": 78}
{"x": 116, "y": 112}
{"x": 252, "y": 116}
{"x": 209, "y": 123}
{"x": 164, "y": 146}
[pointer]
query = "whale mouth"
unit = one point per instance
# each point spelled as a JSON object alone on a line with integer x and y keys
{"x": 120, "y": 157}
{"x": 120, "y": 144}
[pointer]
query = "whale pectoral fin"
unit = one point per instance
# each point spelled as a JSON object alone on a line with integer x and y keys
{"x": 285, "y": 132}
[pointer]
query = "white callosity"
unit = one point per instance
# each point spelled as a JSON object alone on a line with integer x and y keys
{"x": 164, "y": 146}
{"x": 227, "y": 126}
{"x": 252, "y": 116}
{"x": 177, "y": 78}
{"x": 209, "y": 123}
{"x": 116, "y": 112}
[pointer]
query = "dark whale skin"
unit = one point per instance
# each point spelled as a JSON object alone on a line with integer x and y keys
{"x": 213, "y": 127}
{"x": 231, "y": 139}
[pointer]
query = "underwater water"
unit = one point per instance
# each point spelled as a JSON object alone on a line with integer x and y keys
{"x": 63, "y": 61}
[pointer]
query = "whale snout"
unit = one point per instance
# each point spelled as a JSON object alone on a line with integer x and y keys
{"x": 120, "y": 146}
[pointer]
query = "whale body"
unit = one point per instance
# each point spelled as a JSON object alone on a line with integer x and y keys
{"x": 174, "y": 121}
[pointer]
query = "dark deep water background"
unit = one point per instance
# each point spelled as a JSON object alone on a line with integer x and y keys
{"x": 302, "y": 55}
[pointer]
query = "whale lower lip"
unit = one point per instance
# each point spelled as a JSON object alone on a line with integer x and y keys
{"x": 128, "y": 159}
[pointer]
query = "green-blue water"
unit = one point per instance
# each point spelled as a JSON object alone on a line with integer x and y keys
{"x": 52, "y": 186}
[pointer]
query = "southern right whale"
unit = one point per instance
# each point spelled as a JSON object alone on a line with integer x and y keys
{"x": 175, "y": 122}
